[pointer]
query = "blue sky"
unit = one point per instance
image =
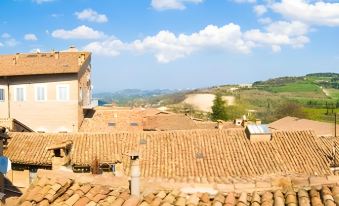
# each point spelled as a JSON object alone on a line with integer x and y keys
{"x": 158, "y": 44}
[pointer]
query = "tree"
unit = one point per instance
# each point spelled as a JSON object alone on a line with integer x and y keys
{"x": 219, "y": 108}
{"x": 290, "y": 109}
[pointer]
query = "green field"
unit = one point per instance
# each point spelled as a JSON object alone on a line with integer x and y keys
{"x": 334, "y": 93}
{"x": 320, "y": 114}
{"x": 295, "y": 87}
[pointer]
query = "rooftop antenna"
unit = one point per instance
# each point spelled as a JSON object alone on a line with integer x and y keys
{"x": 335, "y": 124}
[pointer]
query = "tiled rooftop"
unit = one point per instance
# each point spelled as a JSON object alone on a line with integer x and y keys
{"x": 41, "y": 63}
{"x": 186, "y": 153}
{"x": 31, "y": 148}
{"x": 112, "y": 119}
{"x": 169, "y": 122}
{"x": 64, "y": 191}
{"x": 293, "y": 124}
{"x": 327, "y": 145}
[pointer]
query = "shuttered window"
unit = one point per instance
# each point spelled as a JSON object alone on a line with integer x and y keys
{"x": 63, "y": 92}
{"x": 40, "y": 93}
{"x": 20, "y": 94}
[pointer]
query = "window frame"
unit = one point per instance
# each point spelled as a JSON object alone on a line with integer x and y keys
{"x": 36, "y": 92}
{"x": 58, "y": 92}
{"x": 3, "y": 93}
{"x": 23, "y": 87}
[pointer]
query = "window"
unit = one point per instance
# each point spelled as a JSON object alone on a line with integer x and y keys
{"x": 40, "y": 93}
{"x": 111, "y": 124}
{"x": 63, "y": 92}
{"x": 20, "y": 93}
{"x": 2, "y": 95}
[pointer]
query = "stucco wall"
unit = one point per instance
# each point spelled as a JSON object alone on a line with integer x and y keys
{"x": 50, "y": 115}
{"x": 19, "y": 179}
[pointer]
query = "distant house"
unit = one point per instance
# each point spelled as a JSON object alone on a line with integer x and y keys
{"x": 47, "y": 92}
{"x": 294, "y": 124}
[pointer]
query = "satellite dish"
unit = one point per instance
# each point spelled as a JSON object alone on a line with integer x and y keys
{"x": 5, "y": 165}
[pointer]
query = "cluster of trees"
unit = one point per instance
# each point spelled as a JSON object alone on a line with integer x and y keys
{"x": 277, "y": 81}
{"x": 221, "y": 112}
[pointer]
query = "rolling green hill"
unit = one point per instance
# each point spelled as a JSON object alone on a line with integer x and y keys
{"x": 314, "y": 96}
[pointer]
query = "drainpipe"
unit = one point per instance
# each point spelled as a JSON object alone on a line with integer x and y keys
{"x": 135, "y": 175}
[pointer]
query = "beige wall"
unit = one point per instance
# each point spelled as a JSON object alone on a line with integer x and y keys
{"x": 19, "y": 179}
{"x": 50, "y": 115}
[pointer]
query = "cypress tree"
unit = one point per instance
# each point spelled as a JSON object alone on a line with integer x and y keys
{"x": 219, "y": 108}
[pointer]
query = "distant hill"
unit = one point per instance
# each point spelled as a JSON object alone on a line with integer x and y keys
{"x": 124, "y": 97}
{"x": 315, "y": 96}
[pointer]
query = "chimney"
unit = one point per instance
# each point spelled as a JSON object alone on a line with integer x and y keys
{"x": 81, "y": 59}
{"x": 56, "y": 55}
{"x": 219, "y": 124}
{"x": 72, "y": 48}
{"x": 15, "y": 59}
{"x": 258, "y": 122}
{"x": 135, "y": 175}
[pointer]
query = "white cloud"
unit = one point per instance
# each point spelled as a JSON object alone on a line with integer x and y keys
{"x": 260, "y": 10}
{"x": 1, "y": 44}
{"x": 167, "y": 46}
{"x": 278, "y": 34}
{"x": 56, "y": 15}
{"x": 276, "y": 48}
{"x": 81, "y": 32}
{"x": 92, "y": 16}
{"x": 266, "y": 20}
{"x": 11, "y": 42}
{"x": 245, "y": 1}
{"x": 316, "y": 13}
{"x": 42, "y": 1}
{"x": 293, "y": 28}
{"x": 30, "y": 37}
{"x": 8, "y": 40}
{"x": 172, "y": 4}
{"x": 5, "y": 35}
{"x": 108, "y": 47}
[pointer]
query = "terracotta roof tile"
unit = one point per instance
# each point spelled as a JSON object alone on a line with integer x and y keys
{"x": 31, "y": 148}
{"x": 119, "y": 119}
{"x": 200, "y": 155}
{"x": 42, "y": 63}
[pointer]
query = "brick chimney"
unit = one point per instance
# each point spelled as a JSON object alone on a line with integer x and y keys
{"x": 16, "y": 58}
{"x": 56, "y": 55}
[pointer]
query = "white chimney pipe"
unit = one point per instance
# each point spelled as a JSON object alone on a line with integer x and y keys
{"x": 135, "y": 175}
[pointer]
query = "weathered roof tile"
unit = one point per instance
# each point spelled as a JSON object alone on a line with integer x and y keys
{"x": 42, "y": 63}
